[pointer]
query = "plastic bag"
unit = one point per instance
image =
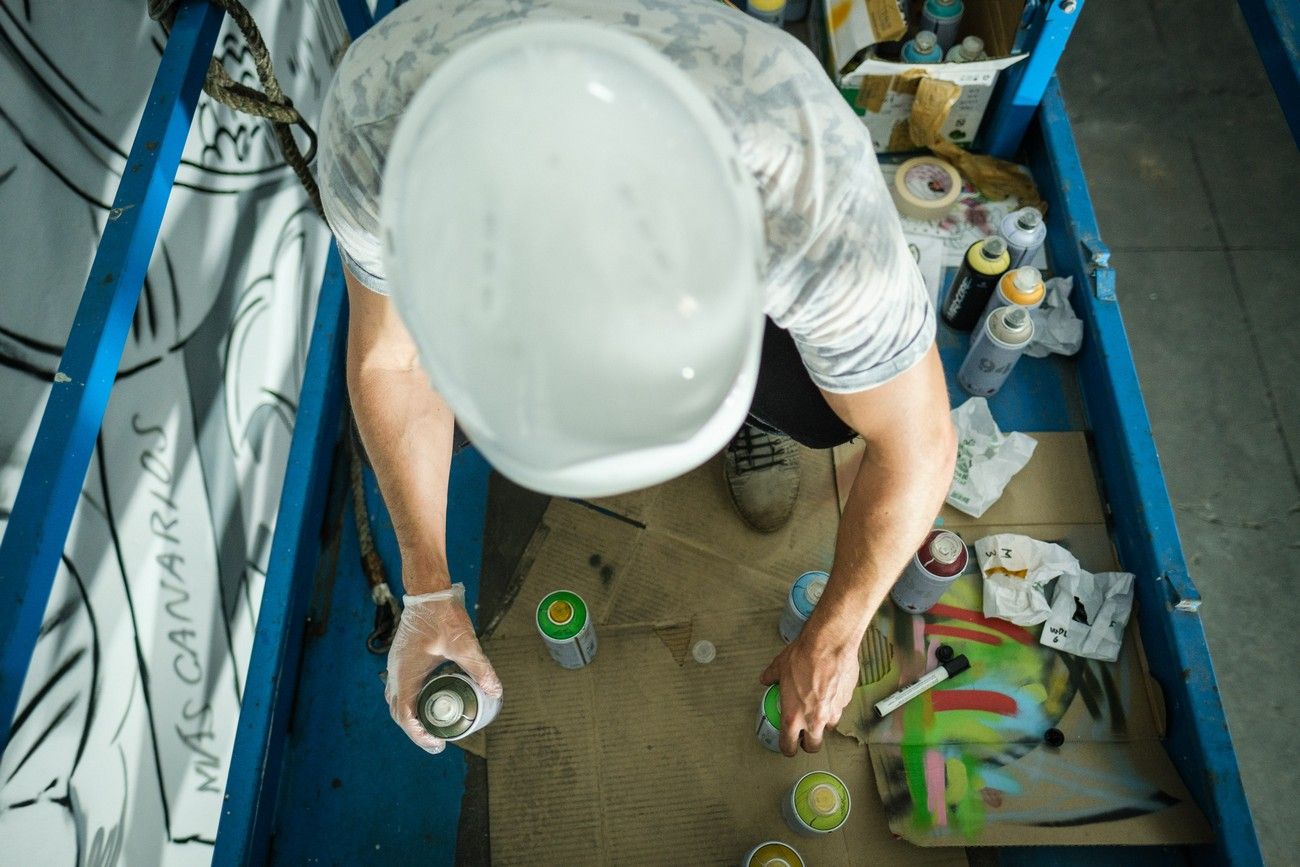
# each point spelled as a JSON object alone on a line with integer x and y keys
{"x": 1016, "y": 569}
{"x": 1089, "y": 613}
{"x": 986, "y": 458}
{"x": 1056, "y": 328}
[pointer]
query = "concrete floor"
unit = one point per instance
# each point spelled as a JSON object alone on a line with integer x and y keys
{"x": 1193, "y": 173}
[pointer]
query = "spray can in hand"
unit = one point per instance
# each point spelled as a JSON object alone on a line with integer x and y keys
{"x": 985, "y": 262}
{"x": 451, "y": 706}
{"x": 1025, "y": 232}
{"x": 943, "y": 18}
{"x": 922, "y": 48}
{"x": 995, "y": 349}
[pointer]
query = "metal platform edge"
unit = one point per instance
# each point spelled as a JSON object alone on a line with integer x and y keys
{"x": 1142, "y": 517}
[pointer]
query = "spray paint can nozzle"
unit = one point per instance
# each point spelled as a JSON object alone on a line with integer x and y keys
{"x": 993, "y": 248}
{"x": 925, "y": 41}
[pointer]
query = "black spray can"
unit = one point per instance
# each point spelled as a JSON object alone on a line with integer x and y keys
{"x": 985, "y": 263}
{"x": 995, "y": 349}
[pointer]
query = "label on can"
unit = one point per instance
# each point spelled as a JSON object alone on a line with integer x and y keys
{"x": 451, "y": 706}
{"x": 769, "y": 718}
{"x": 773, "y": 853}
{"x": 566, "y": 628}
{"x": 818, "y": 803}
{"x": 930, "y": 572}
{"x": 799, "y": 603}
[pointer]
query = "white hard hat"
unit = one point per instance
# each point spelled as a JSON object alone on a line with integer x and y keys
{"x": 576, "y": 251}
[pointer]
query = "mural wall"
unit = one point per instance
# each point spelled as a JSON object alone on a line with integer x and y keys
{"x": 122, "y": 737}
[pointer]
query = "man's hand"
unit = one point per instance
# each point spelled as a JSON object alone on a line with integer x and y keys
{"x": 817, "y": 673}
{"x": 434, "y": 628}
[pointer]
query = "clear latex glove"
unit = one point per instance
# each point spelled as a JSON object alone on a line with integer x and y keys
{"x": 434, "y": 628}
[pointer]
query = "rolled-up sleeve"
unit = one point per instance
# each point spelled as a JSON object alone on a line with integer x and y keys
{"x": 855, "y": 302}
{"x": 349, "y": 172}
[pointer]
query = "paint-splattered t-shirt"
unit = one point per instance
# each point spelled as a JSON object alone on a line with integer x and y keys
{"x": 838, "y": 275}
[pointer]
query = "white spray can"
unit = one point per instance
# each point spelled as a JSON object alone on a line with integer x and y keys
{"x": 995, "y": 349}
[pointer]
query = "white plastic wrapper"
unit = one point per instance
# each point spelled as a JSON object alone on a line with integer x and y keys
{"x": 1016, "y": 569}
{"x": 1089, "y": 613}
{"x": 986, "y": 458}
{"x": 1056, "y": 328}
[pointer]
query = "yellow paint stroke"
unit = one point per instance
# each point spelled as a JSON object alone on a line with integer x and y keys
{"x": 1010, "y": 573}
{"x": 1035, "y": 692}
{"x": 956, "y": 788}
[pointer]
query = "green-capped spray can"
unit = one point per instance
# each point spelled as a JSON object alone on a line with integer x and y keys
{"x": 773, "y": 853}
{"x": 565, "y": 625}
{"x": 817, "y": 803}
{"x": 769, "y": 718}
{"x": 451, "y": 706}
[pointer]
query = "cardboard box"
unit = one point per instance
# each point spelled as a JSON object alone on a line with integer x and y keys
{"x": 882, "y": 91}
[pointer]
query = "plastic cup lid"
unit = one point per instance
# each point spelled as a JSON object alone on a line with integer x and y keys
{"x": 445, "y": 708}
{"x": 823, "y": 799}
{"x": 559, "y": 612}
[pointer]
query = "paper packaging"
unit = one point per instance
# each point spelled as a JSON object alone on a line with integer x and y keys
{"x": 986, "y": 458}
{"x": 882, "y": 91}
{"x": 1016, "y": 569}
{"x": 1056, "y": 328}
{"x": 1089, "y": 613}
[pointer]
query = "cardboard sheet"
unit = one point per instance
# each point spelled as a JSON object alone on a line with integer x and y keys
{"x": 646, "y": 757}
{"x": 966, "y": 763}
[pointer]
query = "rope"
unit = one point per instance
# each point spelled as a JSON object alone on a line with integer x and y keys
{"x": 272, "y": 104}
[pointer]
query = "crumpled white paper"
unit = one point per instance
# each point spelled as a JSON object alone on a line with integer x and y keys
{"x": 1016, "y": 568}
{"x": 986, "y": 458}
{"x": 1056, "y": 328}
{"x": 1089, "y": 613}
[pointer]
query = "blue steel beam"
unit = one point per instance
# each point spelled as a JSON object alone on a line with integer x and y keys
{"x": 56, "y": 470}
{"x": 1020, "y": 88}
{"x": 1146, "y": 534}
{"x": 1275, "y": 24}
{"x": 248, "y": 808}
{"x": 248, "y": 805}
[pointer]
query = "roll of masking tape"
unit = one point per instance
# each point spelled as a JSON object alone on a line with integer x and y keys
{"x": 926, "y": 188}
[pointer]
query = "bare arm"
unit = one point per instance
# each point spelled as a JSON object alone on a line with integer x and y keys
{"x": 905, "y": 474}
{"x": 406, "y": 428}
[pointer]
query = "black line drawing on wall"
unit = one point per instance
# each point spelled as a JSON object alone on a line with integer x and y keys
{"x": 123, "y": 733}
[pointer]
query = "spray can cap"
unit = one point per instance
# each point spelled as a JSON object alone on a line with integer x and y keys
{"x": 972, "y": 46}
{"x": 993, "y": 248}
{"x": 1016, "y": 318}
{"x": 1027, "y": 279}
{"x": 823, "y": 800}
{"x": 1029, "y": 218}
{"x": 704, "y": 652}
{"x": 946, "y": 547}
{"x": 444, "y": 708}
{"x": 925, "y": 41}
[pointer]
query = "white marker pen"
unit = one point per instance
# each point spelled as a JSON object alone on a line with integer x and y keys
{"x": 946, "y": 669}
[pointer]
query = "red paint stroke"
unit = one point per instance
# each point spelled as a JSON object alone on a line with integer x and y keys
{"x": 958, "y": 632}
{"x": 973, "y": 699}
{"x": 1008, "y": 629}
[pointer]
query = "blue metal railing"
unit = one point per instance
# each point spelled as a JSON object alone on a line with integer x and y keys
{"x": 56, "y": 470}
{"x": 1275, "y": 25}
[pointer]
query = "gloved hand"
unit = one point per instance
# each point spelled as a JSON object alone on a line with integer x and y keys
{"x": 434, "y": 628}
